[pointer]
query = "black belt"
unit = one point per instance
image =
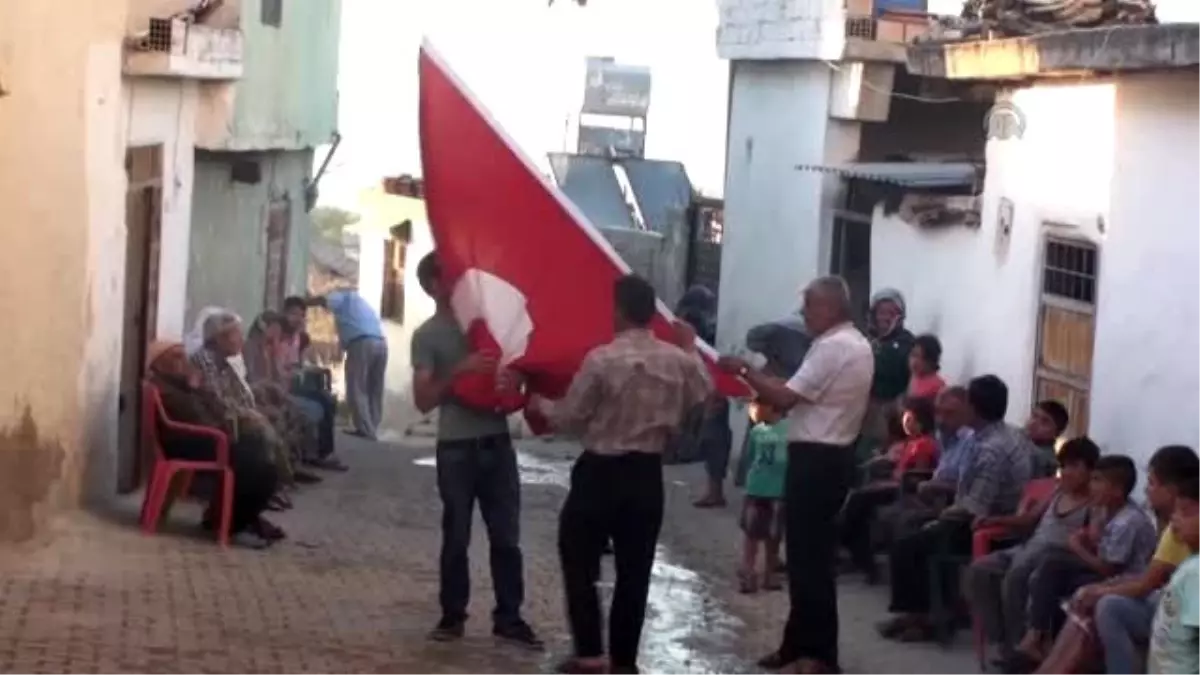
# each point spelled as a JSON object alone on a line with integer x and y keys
{"x": 483, "y": 442}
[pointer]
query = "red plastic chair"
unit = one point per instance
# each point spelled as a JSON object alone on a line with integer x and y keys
{"x": 155, "y": 504}
{"x": 1037, "y": 491}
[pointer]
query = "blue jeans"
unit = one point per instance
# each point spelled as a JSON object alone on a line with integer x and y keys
{"x": 1123, "y": 626}
{"x": 483, "y": 469}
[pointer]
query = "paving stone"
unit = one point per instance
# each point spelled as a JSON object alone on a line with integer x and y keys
{"x": 354, "y": 587}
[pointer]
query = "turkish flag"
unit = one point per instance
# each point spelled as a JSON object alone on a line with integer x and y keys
{"x": 520, "y": 258}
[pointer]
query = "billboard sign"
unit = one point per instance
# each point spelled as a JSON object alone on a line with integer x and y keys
{"x": 607, "y": 142}
{"x": 616, "y": 89}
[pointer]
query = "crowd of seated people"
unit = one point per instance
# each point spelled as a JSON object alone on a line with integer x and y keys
{"x": 1075, "y": 580}
{"x": 278, "y": 414}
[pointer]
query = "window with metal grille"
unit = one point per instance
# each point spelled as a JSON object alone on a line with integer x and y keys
{"x": 1069, "y": 270}
{"x": 272, "y": 13}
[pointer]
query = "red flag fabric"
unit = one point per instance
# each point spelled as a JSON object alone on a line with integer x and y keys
{"x": 520, "y": 258}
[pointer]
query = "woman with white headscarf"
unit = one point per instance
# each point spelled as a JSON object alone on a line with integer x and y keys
{"x": 215, "y": 347}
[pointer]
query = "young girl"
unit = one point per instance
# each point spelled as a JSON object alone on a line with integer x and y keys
{"x": 917, "y": 451}
{"x": 762, "y": 514}
{"x": 924, "y": 360}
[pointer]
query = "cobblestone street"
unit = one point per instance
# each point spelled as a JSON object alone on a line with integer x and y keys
{"x": 354, "y": 588}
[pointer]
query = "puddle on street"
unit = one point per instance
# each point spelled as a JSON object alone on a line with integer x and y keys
{"x": 686, "y": 630}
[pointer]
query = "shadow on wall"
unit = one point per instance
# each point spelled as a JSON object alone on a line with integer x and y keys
{"x": 29, "y": 468}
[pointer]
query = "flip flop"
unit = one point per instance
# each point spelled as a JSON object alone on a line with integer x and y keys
{"x": 893, "y": 627}
{"x": 330, "y": 464}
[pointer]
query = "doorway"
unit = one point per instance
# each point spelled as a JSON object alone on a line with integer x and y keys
{"x": 143, "y": 227}
{"x": 850, "y": 253}
{"x": 1066, "y": 336}
{"x": 279, "y": 218}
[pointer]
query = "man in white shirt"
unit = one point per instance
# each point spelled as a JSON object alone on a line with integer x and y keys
{"x": 827, "y": 400}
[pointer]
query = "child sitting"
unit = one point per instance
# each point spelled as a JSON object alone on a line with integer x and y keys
{"x": 1109, "y": 622}
{"x": 1175, "y": 633}
{"x": 918, "y": 452}
{"x": 998, "y": 583}
{"x": 1119, "y": 539}
{"x": 1047, "y": 422}
{"x": 762, "y": 519}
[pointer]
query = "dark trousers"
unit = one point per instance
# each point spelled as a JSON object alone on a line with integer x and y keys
{"x": 1058, "y": 575}
{"x": 910, "y": 563}
{"x": 858, "y": 516}
{"x": 818, "y": 476}
{"x": 255, "y": 477}
{"x": 618, "y": 497}
{"x": 717, "y": 440}
{"x": 329, "y": 415}
{"x": 483, "y": 469}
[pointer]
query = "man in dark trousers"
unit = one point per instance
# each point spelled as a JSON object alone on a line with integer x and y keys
{"x": 826, "y": 399}
{"x": 628, "y": 397}
{"x": 475, "y": 462}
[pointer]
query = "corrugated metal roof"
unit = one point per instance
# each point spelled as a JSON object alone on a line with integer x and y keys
{"x": 906, "y": 174}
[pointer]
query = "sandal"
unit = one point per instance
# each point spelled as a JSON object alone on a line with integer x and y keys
{"x": 773, "y": 661}
{"x": 747, "y": 582}
{"x": 269, "y": 531}
{"x": 772, "y": 582}
{"x": 330, "y": 464}
{"x": 893, "y": 627}
{"x": 710, "y": 503}
{"x": 915, "y": 633}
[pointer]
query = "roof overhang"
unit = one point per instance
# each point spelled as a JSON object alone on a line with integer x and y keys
{"x": 913, "y": 175}
{"x": 1096, "y": 50}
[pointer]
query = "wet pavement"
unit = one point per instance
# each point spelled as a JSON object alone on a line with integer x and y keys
{"x": 354, "y": 588}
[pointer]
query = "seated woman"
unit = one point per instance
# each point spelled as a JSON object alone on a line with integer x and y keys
{"x": 215, "y": 348}
{"x": 185, "y": 401}
{"x": 917, "y": 452}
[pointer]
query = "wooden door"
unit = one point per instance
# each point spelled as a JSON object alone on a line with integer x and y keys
{"x": 143, "y": 222}
{"x": 1067, "y": 328}
{"x": 278, "y": 226}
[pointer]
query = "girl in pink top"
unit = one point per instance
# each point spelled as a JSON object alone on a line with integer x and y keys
{"x": 924, "y": 360}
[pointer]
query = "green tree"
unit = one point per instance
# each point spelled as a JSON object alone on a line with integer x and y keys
{"x": 329, "y": 221}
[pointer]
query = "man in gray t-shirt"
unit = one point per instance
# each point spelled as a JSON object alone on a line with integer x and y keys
{"x": 475, "y": 462}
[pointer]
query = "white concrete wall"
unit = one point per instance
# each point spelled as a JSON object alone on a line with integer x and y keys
{"x": 1147, "y": 370}
{"x": 774, "y": 238}
{"x": 1098, "y": 151}
{"x": 163, "y": 112}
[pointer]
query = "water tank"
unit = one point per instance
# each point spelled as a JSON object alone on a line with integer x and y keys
{"x": 900, "y": 6}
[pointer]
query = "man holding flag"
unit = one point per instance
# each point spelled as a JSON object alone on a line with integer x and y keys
{"x": 475, "y": 461}
{"x": 627, "y": 398}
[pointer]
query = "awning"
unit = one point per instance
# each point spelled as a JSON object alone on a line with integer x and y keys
{"x": 906, "y": 174}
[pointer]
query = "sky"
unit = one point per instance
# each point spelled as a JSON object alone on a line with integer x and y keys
{"x": 525, "y": 62}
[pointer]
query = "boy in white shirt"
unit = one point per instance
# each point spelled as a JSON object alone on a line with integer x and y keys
{"x": 1175, "y": 634}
